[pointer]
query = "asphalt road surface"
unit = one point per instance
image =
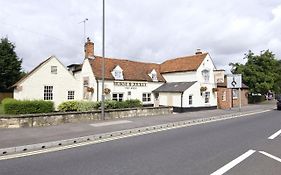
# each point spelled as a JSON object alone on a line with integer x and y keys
{"x": 242, "y": 146}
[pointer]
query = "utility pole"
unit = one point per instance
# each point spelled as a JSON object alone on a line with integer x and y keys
{"x": 103, "y": 61}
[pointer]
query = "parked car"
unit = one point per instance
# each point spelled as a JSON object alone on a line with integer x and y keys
{"x": 279, "y": 105}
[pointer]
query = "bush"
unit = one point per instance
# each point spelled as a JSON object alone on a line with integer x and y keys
{"x": 111, "y": 104}
{"x": 12, "y": 106}
{"x": 256, "y": 99}
{"x": 68, "y": 106}
{"x": 90, "y": 105}
{"x": 87, "y": 105}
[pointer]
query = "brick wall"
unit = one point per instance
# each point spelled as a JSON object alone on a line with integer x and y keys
{"x": 226, "y": 102}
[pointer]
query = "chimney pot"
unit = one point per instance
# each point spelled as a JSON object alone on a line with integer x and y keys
{"x": 198, "y": 51}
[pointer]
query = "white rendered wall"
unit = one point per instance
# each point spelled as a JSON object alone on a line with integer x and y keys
{"x": 136, "y": 92}
{"x": 33, "y": 86}
{"x": 180, "y": 76}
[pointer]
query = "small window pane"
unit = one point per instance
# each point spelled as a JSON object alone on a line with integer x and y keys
{"x": 48, "y": 92}
{"x": 54, "y": 69}
{"x": 70, "y": 95}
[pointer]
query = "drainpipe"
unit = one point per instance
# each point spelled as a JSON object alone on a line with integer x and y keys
{"x": 181, "y": 100}
{"x": 97, "y": 90}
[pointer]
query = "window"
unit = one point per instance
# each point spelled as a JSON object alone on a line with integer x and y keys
{"x": 85, "y": 81}
{"x": 190, "y": 99}
{"x": 129, "y": 92}
{"x": 118, "y": 74}
{"x": 154, "y": 76}
{"x": 70, "y": 95}
{"x": 48, "y": 92}
{"x": 54, "y": 69}
{"x": 117, "y": 96}
{"x": 234, "y": 93}
{"x": 206, "y": 75}
{"x": 207, "y": 97}
{"x": 223, "y": 98}
{"x": 146, "y": 97}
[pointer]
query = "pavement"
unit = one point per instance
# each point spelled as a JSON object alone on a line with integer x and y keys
{"x": 14, "y": 137}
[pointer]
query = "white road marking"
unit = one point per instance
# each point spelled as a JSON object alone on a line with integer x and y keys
{"x": 271, "y": 156}
{"x": 273, "y": 136}
{"x": 233, "y": 163}
{"x": 110, "y": 123}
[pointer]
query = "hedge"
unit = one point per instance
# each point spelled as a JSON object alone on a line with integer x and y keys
{"x": 12, "y": 106}
{"x": 89, "y": 105}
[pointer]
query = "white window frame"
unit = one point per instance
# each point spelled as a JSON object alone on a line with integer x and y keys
{"x": 54, "y": 69}
{"x": 70, "y": 95}
{"x": 48, "y": 93}
{"x": 206, "y": 75}
{"x": 190, "y": 100}
{"x": 146, "y": 97}
{"x": 207, "y": 97}
{"x": 117, "y": 73}
{"x": 119, "y": 96}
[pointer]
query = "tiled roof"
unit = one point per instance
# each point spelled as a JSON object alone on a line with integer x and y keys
{"x": 175, "y": 87}
{"x": 132, "y": 70}
{"x": 182, "y": 64}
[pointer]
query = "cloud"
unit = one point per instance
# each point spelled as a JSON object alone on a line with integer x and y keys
{"x": 145, "y": 30}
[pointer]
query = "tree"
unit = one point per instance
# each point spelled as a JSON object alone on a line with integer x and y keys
{"x": 10, "y": 65}
{"x": 262, "y": 73}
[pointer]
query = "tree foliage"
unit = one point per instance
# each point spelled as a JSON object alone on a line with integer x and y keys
{"x": 10, "y": 65}
{"x": 262, "y": 73}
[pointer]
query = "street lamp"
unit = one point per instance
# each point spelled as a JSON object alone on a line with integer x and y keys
{"x": 103, "y": 54}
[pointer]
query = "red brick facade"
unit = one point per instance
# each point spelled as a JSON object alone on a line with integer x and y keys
{"x": 227, "y": 99}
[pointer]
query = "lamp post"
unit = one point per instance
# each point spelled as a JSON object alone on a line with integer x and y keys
{"x": 103, "y": 62}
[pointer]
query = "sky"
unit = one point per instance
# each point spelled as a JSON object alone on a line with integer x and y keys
{"x": 141, "y": 30}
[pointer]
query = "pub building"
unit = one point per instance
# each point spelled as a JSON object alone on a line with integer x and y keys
{"x": 186, "y": 83}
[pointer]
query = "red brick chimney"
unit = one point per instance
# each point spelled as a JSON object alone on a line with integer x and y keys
{"x": 89, "y": 49}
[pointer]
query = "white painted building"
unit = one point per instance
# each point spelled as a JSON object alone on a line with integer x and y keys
{"x": 182, "y": 82}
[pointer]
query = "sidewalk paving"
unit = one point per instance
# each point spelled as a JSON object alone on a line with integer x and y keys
{"x": 25, "y": 136}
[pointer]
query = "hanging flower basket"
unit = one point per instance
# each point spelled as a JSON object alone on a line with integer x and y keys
{"x": 215, "y": 89}
{"x": 107, "y": 91}
{"x": 90, "y": 89}
{"x": 203, "y": 88}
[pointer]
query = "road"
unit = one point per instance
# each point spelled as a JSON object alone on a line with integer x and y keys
{"x": 236, "y": 146}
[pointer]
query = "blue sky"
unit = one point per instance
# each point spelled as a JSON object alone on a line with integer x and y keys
{"x": 143, "y": 30}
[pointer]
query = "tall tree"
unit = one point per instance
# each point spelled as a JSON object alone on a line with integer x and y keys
{"x": 262, "y": 73}
{"x": 10, "y": 65}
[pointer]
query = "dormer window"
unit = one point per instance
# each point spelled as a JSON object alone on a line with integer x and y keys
{"x": 117, "y": 73}
{"x": 206, "y": 75}
{"x": 153, "y": 75}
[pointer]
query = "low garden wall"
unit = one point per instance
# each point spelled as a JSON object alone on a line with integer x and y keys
{"x": 37, "y": 120}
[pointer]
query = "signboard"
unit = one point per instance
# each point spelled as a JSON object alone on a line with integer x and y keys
{"x": 129, "y": 85}
{"x": 219, "y": 76}
{"x": 234, "y": 81}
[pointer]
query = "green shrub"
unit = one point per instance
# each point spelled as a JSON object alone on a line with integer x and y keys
{"x": 68, "y": 106}
{"x": 12, "y": 106}
{"x": 133, "y": 103}
{"x": 87, "y": 105}
{"x": 256, "y": 99}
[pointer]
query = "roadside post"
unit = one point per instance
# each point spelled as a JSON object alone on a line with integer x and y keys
{"x": 234, "y": 81}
